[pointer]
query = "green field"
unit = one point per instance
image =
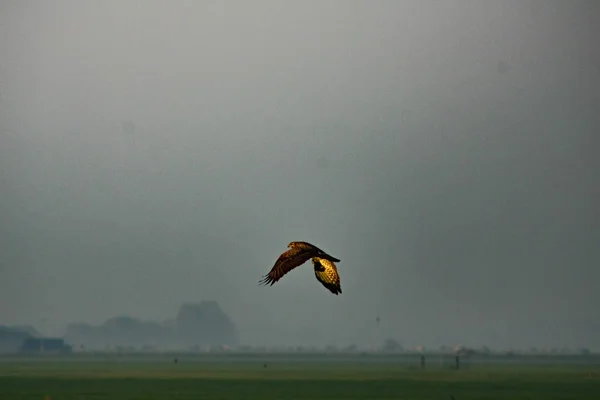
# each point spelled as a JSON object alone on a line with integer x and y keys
{"x": 264, "y": 377}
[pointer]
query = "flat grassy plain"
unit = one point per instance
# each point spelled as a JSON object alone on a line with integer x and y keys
{"x": 291, "y": 377}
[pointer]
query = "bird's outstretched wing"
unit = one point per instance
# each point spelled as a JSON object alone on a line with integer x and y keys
{"x": 326, "y": 273}
{"x": 286, "y": 262}
{"x": 298, "y": 254}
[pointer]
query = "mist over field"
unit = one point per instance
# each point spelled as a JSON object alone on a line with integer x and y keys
{"x": 160, "y": 153}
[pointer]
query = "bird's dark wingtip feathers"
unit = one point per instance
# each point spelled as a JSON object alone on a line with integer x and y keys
{"x": 266, "y": 280}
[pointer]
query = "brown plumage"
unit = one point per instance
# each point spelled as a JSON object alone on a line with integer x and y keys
{"x": 326, "y": 273}
{"x": 298, "y": 254}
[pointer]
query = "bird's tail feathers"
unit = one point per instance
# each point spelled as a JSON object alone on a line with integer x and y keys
{"x": 329, "y": 257}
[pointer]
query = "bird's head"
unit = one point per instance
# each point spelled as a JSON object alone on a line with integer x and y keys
{"x": 296, "y": 244}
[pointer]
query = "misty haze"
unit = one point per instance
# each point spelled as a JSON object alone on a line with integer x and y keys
{"x": 161, "y": 155}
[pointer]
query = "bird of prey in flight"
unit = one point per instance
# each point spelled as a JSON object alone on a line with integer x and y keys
{"x": 298, "y": 254}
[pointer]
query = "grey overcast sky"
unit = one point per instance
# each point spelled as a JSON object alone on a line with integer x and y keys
{"x": 154, "y": 153}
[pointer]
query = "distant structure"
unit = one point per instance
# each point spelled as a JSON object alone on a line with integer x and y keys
{"x": 119, "y": 331}
{"x": 205, "y": 325}
{"x": 45, "y": 345}
{"x": 464, "y": 351}
{"x": 199, "y": 326}
{"x": 11, "y": 339}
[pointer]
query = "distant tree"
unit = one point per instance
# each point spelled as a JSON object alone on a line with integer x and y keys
{"x": 206, "y": 324}
{"x": 26, "y": 328}
{"x": 218, "y": 348}
{"x": 352, "y": 348}
{"x": 391, "y": 345}
{"x": 566, "y": 350}
{"x": 468, "y": 353}
{"x": 331, "y": 348}
{"x": 120, "y": 330}
{"x": 584, "y": 351}
{"x": 11, "y": 339}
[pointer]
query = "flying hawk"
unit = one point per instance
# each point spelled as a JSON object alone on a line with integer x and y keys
{"x": 298, "y": 254}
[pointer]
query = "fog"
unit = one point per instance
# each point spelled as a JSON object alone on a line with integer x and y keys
{"x": 155, "y": 153}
